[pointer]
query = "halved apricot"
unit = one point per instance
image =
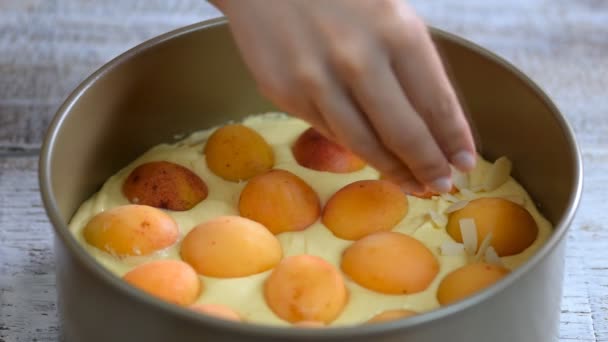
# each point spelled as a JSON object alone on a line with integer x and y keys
{"x": 164, "y": 185}
{"x": 237, "y": 152}
{"x": 171, "y": 280}
{"x": 281, "y": 201}
{"x": 315, "y": 151}
{"x": 364, "y": 207}
{"x": 427, "y": 193}
{"x": 230, "y": 246}
{"x": 131, "y": 230}
{"x": 430, "y": 193}
{"x": 513, "y": 228}
{"x": 309, "y": 324}
{"x": 216, "y": 310}
{"x": 391, "y": 315}
{"x": 468, "y": 280}
{"x": 390, "y": 263}
{"x": 305, "y": 288}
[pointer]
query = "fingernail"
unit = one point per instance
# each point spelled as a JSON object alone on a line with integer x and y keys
{"x": 464, "y": 160}
{"x": 441, "y": 185}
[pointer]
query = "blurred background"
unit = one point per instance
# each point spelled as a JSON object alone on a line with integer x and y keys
{"x": 48, "y": 46}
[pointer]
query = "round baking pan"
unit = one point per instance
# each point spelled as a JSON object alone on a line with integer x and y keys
{"x": 193, "y": 78}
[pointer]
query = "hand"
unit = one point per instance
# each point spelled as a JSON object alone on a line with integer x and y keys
{"x": 364, "y": 73}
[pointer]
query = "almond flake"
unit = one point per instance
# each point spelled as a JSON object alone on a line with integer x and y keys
{"x": 450, "y": 198}
{"x": 438, "y": 219}
{"x": 498, "y": 174}
{"x": 468, "y": 230}
{"x": 485, "y": 244}
{"x": 455, "y": 207}
{"x": 491, "y": 257}
{"x": 460, "y": 180}
{"x": 451, "y": 248}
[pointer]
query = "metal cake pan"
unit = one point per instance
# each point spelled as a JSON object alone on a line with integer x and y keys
{"x": 192, "y": 79}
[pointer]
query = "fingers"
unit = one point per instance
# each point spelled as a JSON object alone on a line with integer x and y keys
{"x": 287, "y": 93}
{"x": 365, "y": 74}
{"x": 420, "y": 72}
{"x": 352, "y": 129}
{"x": 399, "y": 127}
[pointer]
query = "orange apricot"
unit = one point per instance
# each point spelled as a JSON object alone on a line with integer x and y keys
{"x": 281, "y": 201}
{"x": 171, "y": 280}
{"x": 216, "y": 310}
{"x": 315, "y": 151}
{"x": 427, "y": 193}
{"x": 237, "y": 152}
{"x": 513, "y": 228}
{"x": 364, "y": 207}
{"x": 390, "y": 263}
{"x": 230, "y": 246}
{"x": 305, "y": 288}
{"x": 430, "y": 193}
{"x": 391, "y": 315}
{"x": 309, "y": 324}
{"x": 131, "y": 230}
{"x": 468, "y": 280}
{"x": 164, "y": 185}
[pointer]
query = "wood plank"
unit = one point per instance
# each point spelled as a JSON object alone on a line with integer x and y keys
{"x": 27, "y": 280}
{"x": 48, "y": 47}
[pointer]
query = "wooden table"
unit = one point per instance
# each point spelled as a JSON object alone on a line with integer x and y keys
{"x": 48, "y": 46}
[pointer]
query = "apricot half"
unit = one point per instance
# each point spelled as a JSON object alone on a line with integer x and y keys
{"x": 427, "y": 193}
{"x": 430, "y": 193}
{"x": 390, "y": 263}
{"x": 281, "y": 201}
{"x": 391, "y": 315}
{"x": 171, "y": 280}
{"x": 131, "y": 230}
{"x": 309, "y": 324}
{"x": 216, "y": 310}
{"x": 164, "y": 185}
{"x": 364, "y": 207}
{"x": 305, "y": 288}
{"x": 513, "y": 228}
{"x": 237, "y": 152}
{"x": 230, "y": 246}
{"x": 468, "y": 280}
{"x": 314, "y": 151}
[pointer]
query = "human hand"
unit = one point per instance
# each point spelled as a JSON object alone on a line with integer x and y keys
{"x": 365, "y": 74}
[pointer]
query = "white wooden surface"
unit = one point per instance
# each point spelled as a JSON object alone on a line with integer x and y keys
{"x": 48, "y": 46}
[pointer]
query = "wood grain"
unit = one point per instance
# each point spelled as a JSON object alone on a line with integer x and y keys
{"x": 48, "y": 46}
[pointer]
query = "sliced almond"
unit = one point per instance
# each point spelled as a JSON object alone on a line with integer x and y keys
{"x": 460, "y": 180}
{"x": 417, "y": 223}
{"x": 485, "y": 244}
{"x": 455, "y": 207}
{"x": 491, "y": 257}
{"x": 438, "y": 219}
{"x": 450, "y": 198}
{"x": 498, "y": 174}
{"x": 468, "y": 230}
{"x": 451, "y": 248}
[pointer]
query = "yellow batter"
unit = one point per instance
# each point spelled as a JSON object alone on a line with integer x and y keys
{"x": 245, "y": 294}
